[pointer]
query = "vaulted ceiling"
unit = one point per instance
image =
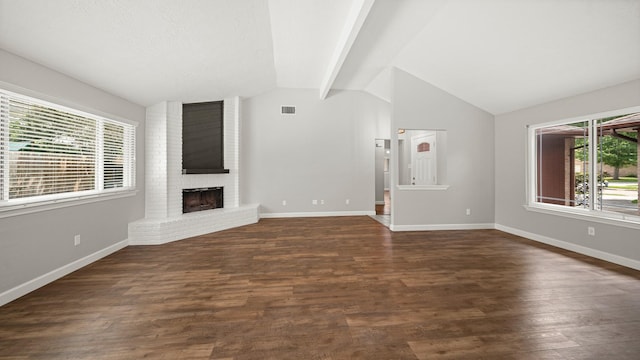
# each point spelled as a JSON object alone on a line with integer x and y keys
{"x": 500, "y": 55}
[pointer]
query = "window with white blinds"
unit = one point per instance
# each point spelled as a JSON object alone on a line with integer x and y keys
{"x": 49, "y": 151}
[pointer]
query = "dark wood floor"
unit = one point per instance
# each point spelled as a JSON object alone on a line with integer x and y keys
{"x": 332, "y": 288}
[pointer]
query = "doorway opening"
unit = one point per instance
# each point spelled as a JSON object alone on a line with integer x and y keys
{"x": 385, "y": 208}
{"x": 382, "y": 181}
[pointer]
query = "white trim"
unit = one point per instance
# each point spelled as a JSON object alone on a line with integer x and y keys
{"x": 56, "y": 274}
{"x": 33, "y": 207}
{"x": 429, "y": 227}
{"x": 594, "y": 163}
{"x": 30, "y": 204}
{"x": 587, "y": 214}
{"x": 421, "y": 187}
{"x": 72, "y": 107}
{"x": 616, "y": 219}
{"x": 315, "y": 214}
{"x": 586, "y": 117}
{"x": 598, "y": 254}
{"x": 531, "y": 171}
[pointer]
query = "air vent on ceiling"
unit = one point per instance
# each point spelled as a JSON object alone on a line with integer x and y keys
{"x": 288, "y": 110}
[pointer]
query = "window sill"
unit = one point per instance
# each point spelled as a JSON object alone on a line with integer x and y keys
{"x": 422, "y": 187}
{"x": 15, "y": 209}
{"x": 628, "y": 221}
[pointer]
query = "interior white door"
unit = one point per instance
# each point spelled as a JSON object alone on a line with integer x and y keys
{"x": 423, "y": 159}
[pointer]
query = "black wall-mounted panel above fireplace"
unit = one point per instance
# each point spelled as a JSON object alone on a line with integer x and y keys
{"x": 203, "y": 138}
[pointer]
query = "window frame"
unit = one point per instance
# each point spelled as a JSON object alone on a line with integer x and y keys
{"x": 590, "y": 213}
{"x": 19, "y": 206}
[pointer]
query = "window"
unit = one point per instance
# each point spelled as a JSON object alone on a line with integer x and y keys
{"x": 587, "y": 166}
{"x": 50, "y": 152}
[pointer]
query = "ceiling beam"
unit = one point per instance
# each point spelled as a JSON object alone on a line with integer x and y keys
{"x": 357, "y": 15}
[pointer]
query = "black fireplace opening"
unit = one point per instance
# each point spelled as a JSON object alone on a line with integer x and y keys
{"x": 202, "y": 199}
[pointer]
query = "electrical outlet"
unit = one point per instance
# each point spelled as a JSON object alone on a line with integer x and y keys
{"x": 591, "y": 231}
{"x": 468, "y": 212}
{"x": 347, "y": 201}
{"x": 321, "y": 202}
{"x": 314, "y": 202}
{"x": 76, "y": 240}
{"x": 284, "y": 202}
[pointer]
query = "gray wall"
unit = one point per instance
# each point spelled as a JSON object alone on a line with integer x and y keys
{"x": 34, "y": 244}
{"x": 469, "y": 156}
{"x": 510, "y": 155}
{"x": 325, "y": 152}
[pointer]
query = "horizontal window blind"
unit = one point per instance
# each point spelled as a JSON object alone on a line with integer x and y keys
{"x": 4, "y": 147}
{"x": 48, "y": 149}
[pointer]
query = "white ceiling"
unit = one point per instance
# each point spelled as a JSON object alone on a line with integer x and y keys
{"x": 305, "y": 34}
{"x": 500, "y": 55}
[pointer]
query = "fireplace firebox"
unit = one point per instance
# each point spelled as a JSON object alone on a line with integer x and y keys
{"x": 202, "y": 199}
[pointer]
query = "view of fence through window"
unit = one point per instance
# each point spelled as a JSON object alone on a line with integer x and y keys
{"x": 52, "y": 151}
{"x": 570, "y": 173}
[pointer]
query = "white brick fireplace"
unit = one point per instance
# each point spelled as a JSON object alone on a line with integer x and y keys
{"x": 164, "y": 221}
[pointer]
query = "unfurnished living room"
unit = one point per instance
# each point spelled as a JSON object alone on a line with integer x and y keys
{"x": 319, "y": 179}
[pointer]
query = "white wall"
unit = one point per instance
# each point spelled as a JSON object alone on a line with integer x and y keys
{"x": 615, "y": 243}
{"x": 469, "y": 158}
{"x": 35, "y": 244}
{"x": 324, "y": 152}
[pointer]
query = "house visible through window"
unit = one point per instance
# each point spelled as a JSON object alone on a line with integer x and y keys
{"x": 590, "y": 164}
{"x": 50, "y": 152}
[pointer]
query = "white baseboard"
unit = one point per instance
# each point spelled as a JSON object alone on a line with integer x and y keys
{"x": 56, "y": 274}
{"x": 598, "y": 254}
{"x": 316, "y": 214}
{"x": 441, "y": 227}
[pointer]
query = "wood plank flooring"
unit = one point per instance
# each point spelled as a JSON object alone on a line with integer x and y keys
{"x": 332, "y": 288}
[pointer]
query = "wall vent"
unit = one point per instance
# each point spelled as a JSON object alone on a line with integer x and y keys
{"x": 288, "y": 110}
